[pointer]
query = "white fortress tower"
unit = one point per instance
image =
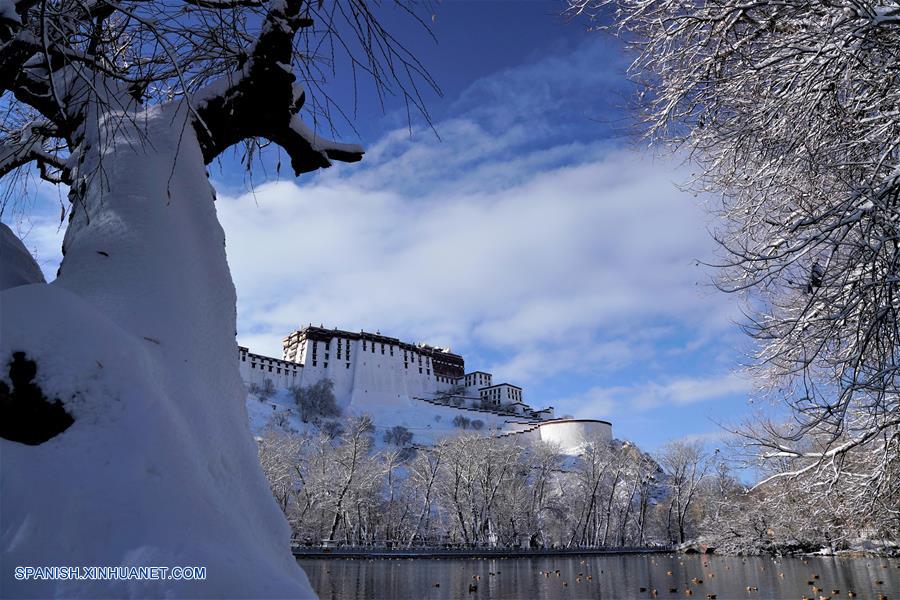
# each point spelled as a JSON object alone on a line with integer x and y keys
{"x": 370, "y": 368}
{"x": 374, "y": 370}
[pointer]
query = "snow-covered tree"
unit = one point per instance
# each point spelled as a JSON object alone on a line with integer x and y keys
{"x": 127, "y": 103}
{"x": 685, "y": 466}
{"x": 788, "y": 110}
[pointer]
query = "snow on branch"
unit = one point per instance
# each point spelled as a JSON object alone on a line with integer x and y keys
{"x": 28, "y": 145}
{"x": 237, "y": 64}
{"x": 262, "y": 99}
{"x": 309, "y": 151}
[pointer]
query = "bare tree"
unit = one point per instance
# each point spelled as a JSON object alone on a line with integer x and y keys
{"x": 423, "y": 474}
{"x": 788, "y": 111}
{"x": 590, "y": 474}
{"x": 278, "y": 456}
{"x": 685, "y": 466}
{"x": 263, "y": 391}
{"x": 351, "y": 456}
{"x": 471, "y": 489}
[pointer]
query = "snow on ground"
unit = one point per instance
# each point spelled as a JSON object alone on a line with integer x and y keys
{"x": 427, "y": 422}
{"x": 17, "y": 267}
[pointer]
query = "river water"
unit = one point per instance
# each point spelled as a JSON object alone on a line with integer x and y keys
{"x": 606, "y": 577}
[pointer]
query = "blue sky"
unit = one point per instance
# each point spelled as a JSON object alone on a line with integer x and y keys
{"x": 535, "y": 236}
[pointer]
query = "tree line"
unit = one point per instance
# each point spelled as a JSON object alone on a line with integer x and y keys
{"x": 477, "y": 490}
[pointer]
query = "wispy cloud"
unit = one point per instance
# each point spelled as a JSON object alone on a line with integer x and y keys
{"x": 649, "y": 395}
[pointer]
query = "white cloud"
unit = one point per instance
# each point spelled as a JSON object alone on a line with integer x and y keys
{"x": 709, "y": 437}
{"x": 541, "y": 248}
{"x": 567, "y": 253}
{"x": 650, "y": 395}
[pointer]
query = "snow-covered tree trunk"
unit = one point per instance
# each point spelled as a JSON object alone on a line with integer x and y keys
{"x": 136, "y": 337}
{"x": 125, "y": 440}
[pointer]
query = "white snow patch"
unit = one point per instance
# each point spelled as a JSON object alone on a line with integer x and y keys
{"x": 17, "y": 266}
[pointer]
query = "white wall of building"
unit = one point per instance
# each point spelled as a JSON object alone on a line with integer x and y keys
{"x": 501, "y": 394}
{"x": 474, "y": 381}
{"x": 255, "y": 369}
{"x": 374, "y": 373}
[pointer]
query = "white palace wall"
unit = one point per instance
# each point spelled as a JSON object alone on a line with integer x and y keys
{"x": 371, "y": 376}
{"x": 255, "y": 369}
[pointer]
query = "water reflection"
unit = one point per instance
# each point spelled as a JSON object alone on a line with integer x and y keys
{"x": 605, "y": 577}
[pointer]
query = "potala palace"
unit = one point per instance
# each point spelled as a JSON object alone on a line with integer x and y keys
{"x": 418, "y": 386}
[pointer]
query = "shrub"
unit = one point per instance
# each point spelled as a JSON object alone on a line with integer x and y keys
{"x": 316, "y": 401}
{"x": 398, "y": 436}
{"x": 264, "y": 391}
{"x": 461, "y": 422}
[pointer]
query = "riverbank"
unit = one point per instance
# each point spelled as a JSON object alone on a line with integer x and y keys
{"x": 367, "y": 552}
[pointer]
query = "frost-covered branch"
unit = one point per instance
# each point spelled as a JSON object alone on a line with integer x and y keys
{"x": 247, "y": 69}
{"x": 30, "y": 145}
{"x": 262, "y": 99}
{"x": 789, "y": 113}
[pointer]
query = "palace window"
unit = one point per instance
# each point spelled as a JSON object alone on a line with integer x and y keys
{"x": 325, "y": 365}
{"x": 348, "y": 365}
